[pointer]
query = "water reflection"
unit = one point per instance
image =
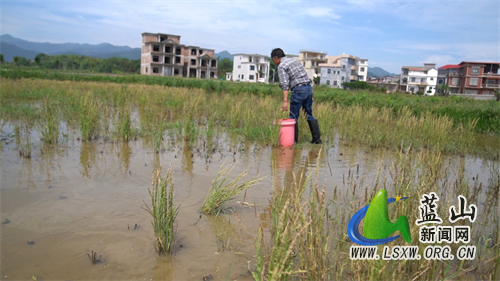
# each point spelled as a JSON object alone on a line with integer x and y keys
{"x": 124, "y": 152}
{"x": 88, "y": 155}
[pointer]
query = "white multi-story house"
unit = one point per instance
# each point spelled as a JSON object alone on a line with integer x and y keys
{"x": 343, "y": 68}
{"x": 249, "y": 68}
{"x": 418, "y": 78}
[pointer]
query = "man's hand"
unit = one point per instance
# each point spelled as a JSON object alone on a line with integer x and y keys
{"x": 284, "y": 106}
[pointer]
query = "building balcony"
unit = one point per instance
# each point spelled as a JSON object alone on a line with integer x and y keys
{"x": 323, "y": 60}
{"x": 495, "y": 75}
{"x": 418, "y": 83}
{"x": 490, "y": 86}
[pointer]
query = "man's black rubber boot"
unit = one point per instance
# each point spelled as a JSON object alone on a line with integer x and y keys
{"x": 314, "y": 127}
{"x": 296, "y": 131}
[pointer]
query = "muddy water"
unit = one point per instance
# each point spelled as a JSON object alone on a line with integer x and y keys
{"x": 67, "y": 201}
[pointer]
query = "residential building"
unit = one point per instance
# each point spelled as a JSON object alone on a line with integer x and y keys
{"x": 163, "y": 55}
{"x": 444, "y": 71}
{"x": 419, "y": 78}
{"x": 310, "y": 61}
{"x": 249, "y": 68}
{"x": 344, "y": 68}
{"x": 474, "y": 78}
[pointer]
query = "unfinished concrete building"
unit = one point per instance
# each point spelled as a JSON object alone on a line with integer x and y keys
{"x": 163, "y": 55}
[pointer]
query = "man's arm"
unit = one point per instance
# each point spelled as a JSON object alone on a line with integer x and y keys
{"x": 284, "y": 105}
{"x": 285, "y": 86}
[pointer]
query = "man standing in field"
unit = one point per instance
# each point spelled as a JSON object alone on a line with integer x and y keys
{"x": 293, "y": 77}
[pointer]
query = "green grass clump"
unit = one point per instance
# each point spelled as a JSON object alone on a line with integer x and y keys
{"x": 163, "y": 211}
{"x": 221, "y": 191}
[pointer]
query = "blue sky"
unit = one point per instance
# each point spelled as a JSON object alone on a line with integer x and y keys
{"x": 388, "y": 33}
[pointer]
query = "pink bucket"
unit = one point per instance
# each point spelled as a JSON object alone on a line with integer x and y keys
{"x": 287, "y": 132}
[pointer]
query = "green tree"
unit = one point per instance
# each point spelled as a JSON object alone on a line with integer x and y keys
{"x": 21, "y": 61}
{"x": 1, "y": 59}
{"x": 273, "y": 72}
{"x": 443, "y": 89}
{"x": 225, "y": 65}
{"x": 41, "y": 57}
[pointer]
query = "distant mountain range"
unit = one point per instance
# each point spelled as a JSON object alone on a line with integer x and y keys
{"x": 378, "y": 72}
{"x": 224, "y": 55}
{"x": 11, "y": 47}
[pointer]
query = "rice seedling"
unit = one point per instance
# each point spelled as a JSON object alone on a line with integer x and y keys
{"x": 89, "y": 116}
{"x": 278, "y": 262}
{"x": 221, "y": 191}
{"x": 23, "y": 139}
{"x": 163, "y": 211}
{"x": 48, "y": 123}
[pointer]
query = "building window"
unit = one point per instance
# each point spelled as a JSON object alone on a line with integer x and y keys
{"x": 176, "y": 71}
{"x": 470, "y": 92}
{"x": 329, "y": 71}
{"x": 342, "y": 78}
{"x": 334, "y": 83}
{"x": 455, "y": 81}
{"x": 413, "y": 79}
{"x": 423, "y": 80}
{"x": 155, "y": 69}
{"x": 201, "y": 52}
{"x": 250, "y": 77}
{"x": 474, "y": 70}
{"x": 167, "y": 49}
{"x": 432, "y": 78}
{"x": 178, "y": 51}
{"x": 193, "y": 52}
{"x": 362, "y": 69}
{"x": 214, "y": 63}
{"x": 490, "y": 81}
{"x": 328, "y": 82}
{"x": 361, "y": 78}
{"x": 177, "y": 59}
{"x": 193, "y": 62}
{"x": 212, "y": 74}
{"x": 167, "y": 60}
{"x": 146, "y": 69}
{"x": 304, "y": 63}
{"x": 156, "y": 59}
{"x": 156, "y": 48}
{"x": 405, "y": 80}
{"x": 343, "y": 66}
{"x": 252, "y": 67}
{"x": 242, "y": 76}
{"x": 405, "y": 71}
{"x": 239, "y": 66}
{"x": 473, "y": 81}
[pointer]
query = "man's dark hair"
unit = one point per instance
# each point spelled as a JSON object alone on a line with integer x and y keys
{"x": 277, "y": 53}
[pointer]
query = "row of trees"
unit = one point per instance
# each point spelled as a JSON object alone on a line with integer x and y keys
{"x": 77, "y": 62}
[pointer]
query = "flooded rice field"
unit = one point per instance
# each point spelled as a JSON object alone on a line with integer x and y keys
{"x": 69, "y": 201}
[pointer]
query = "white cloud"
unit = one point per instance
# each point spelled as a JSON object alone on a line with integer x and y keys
{"x": 318, "y": 12}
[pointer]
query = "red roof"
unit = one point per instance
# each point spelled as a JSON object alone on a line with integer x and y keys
{"x": 479, "y": 62}
{"x": 450, "y": 66}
